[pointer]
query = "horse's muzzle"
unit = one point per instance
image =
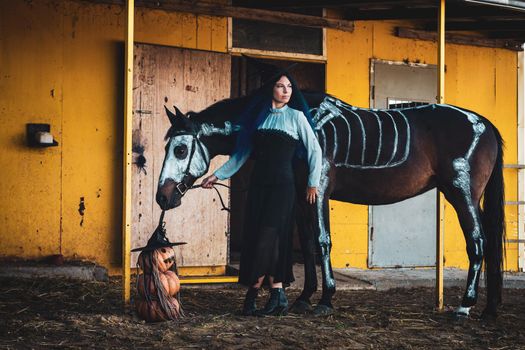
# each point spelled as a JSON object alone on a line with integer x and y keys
{"x": 168, "y": 197}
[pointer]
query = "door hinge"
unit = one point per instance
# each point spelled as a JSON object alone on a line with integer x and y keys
{"x": 371, "y": 233}
{"x": 373, "y": 92}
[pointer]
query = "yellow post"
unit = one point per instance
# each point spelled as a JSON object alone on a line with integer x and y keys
{"x": 126, "y": 204}
{"x": 440, "y": 202}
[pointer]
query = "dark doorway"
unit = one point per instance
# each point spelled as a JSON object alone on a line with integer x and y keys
{"x": 246, "y": 77}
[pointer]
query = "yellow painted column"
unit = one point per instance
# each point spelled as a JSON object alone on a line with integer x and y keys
{"x": 126, "y": 205}
{"x": 440, "y": 201}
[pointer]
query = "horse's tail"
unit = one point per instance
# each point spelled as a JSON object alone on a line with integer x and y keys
{"x": 493, "y": 220}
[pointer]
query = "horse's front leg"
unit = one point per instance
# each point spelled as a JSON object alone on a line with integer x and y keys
{"x": 325, "y": 307}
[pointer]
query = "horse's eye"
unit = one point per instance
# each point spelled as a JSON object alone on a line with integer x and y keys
{"x": 181, "y": 151}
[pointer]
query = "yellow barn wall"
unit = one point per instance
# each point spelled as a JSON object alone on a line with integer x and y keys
{"x": 481, "y": 79}
{"x": 62, "y": 63}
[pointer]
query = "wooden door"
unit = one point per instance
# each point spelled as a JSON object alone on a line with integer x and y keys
{"x": 191, "y": 80}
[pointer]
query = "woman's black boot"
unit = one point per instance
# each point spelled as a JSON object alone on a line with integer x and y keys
{"x": 277, "y": 305}
{"x": 249, "y": 307}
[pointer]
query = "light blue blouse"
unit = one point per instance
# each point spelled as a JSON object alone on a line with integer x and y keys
{"x": 295, "y": 124}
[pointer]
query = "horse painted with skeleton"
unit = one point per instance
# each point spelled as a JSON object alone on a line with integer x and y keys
{"x": 370, "y": 157}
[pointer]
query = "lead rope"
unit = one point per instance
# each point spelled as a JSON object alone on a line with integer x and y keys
{"x": 224, "y": 207}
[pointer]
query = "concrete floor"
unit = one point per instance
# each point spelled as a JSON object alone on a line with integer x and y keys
{"x": 384, "y": 279}
{"x": 346, "y": 279}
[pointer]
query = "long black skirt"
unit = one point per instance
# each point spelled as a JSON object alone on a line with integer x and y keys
{"x": 267, "y": 237}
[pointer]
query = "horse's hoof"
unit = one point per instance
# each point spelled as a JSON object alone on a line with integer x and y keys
{"x": 301, "y": 307}
{"x": 461, "y": 313}
{"x": 323, "y": 310}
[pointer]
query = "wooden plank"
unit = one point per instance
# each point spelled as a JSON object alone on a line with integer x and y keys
{"x": 241, "y": 12}
{"x": 126, "y": 198}
{"x": 143, "y": 191}
{"x": 191, "y": 80}
{"x": 409, "y": 33}
{"x": 302, "y": 57}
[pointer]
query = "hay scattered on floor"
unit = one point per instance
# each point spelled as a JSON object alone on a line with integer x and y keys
{"x": 77, "y": 315}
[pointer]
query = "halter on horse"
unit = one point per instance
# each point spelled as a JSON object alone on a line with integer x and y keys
{"x": 369, "y": 157}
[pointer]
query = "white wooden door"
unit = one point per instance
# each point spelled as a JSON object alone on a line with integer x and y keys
{"x": 403, "y": 234}
{"x": 191, "y": 80}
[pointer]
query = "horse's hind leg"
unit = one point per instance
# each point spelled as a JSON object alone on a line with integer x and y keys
{"x": 466, "y": 205}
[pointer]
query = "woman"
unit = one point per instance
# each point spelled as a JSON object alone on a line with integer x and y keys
{"x": 271, "y": 132}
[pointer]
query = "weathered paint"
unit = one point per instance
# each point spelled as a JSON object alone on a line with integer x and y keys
{"x": 480, "y": 79}
{"x": 62, "y": 64}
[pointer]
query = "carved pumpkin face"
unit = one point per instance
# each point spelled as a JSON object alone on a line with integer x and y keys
{"x": 165, "y": 258}
{"x": 162, "y": 258}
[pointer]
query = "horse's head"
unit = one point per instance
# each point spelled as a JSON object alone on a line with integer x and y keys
{"x": 187, "y": 156}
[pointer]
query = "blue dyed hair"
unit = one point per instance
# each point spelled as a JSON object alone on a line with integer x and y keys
{"x": 258, "y": 109}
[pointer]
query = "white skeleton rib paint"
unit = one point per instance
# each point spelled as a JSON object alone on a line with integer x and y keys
{"x": 396, "y": 136}
{"x": 349, "y": 140}
{"x": 462, "y": 181}
{"x": 380, "y": 142}
{"x": 363, "y": 133}
{"x": 332, "y": 109}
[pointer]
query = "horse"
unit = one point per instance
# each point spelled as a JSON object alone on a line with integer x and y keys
{"x": 371, "y": 157}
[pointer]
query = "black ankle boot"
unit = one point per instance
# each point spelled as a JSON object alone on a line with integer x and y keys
{"x": 249, "y": 308}
{"x": 277, "y": 305}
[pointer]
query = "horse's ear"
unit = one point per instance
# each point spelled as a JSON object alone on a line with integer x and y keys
{"x": 178, "y": 112}
{"x": 172, "y": 117}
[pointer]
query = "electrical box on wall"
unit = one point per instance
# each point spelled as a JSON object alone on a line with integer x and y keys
{"x": 39, "y": 135}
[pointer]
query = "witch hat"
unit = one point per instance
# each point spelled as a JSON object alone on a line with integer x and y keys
{"x": 158, "y": 239}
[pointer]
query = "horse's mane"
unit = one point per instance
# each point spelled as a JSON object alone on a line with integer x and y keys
{"x": 225, "y": 110}
{"x": 229, "y": 109}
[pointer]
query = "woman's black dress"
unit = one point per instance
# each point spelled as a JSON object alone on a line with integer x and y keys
{"x": 267, "y": 237}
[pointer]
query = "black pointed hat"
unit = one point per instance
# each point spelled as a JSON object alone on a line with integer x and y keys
{"x": 158, "y": 239}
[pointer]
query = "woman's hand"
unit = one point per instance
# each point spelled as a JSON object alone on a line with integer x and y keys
{"x": 209, "y": 181}
{"x": 311, "y": 195}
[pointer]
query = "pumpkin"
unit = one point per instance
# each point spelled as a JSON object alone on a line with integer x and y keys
{"x": 169, "y": 281}
{"x": 173, "y": 281}
{"x": 162, "y": 258}
{"x": 152, "y": 311}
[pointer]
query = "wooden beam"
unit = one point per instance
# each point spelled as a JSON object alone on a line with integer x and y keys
{"x": 409, "y": 33}
{"x": 481, "y": 26}
{"x": 301, "y": 4}
{"x": 127, "y": 155}
{"x": 289, "y": 18}
{"x": 440, "y": 201}
{"x": 454, "y": 11}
